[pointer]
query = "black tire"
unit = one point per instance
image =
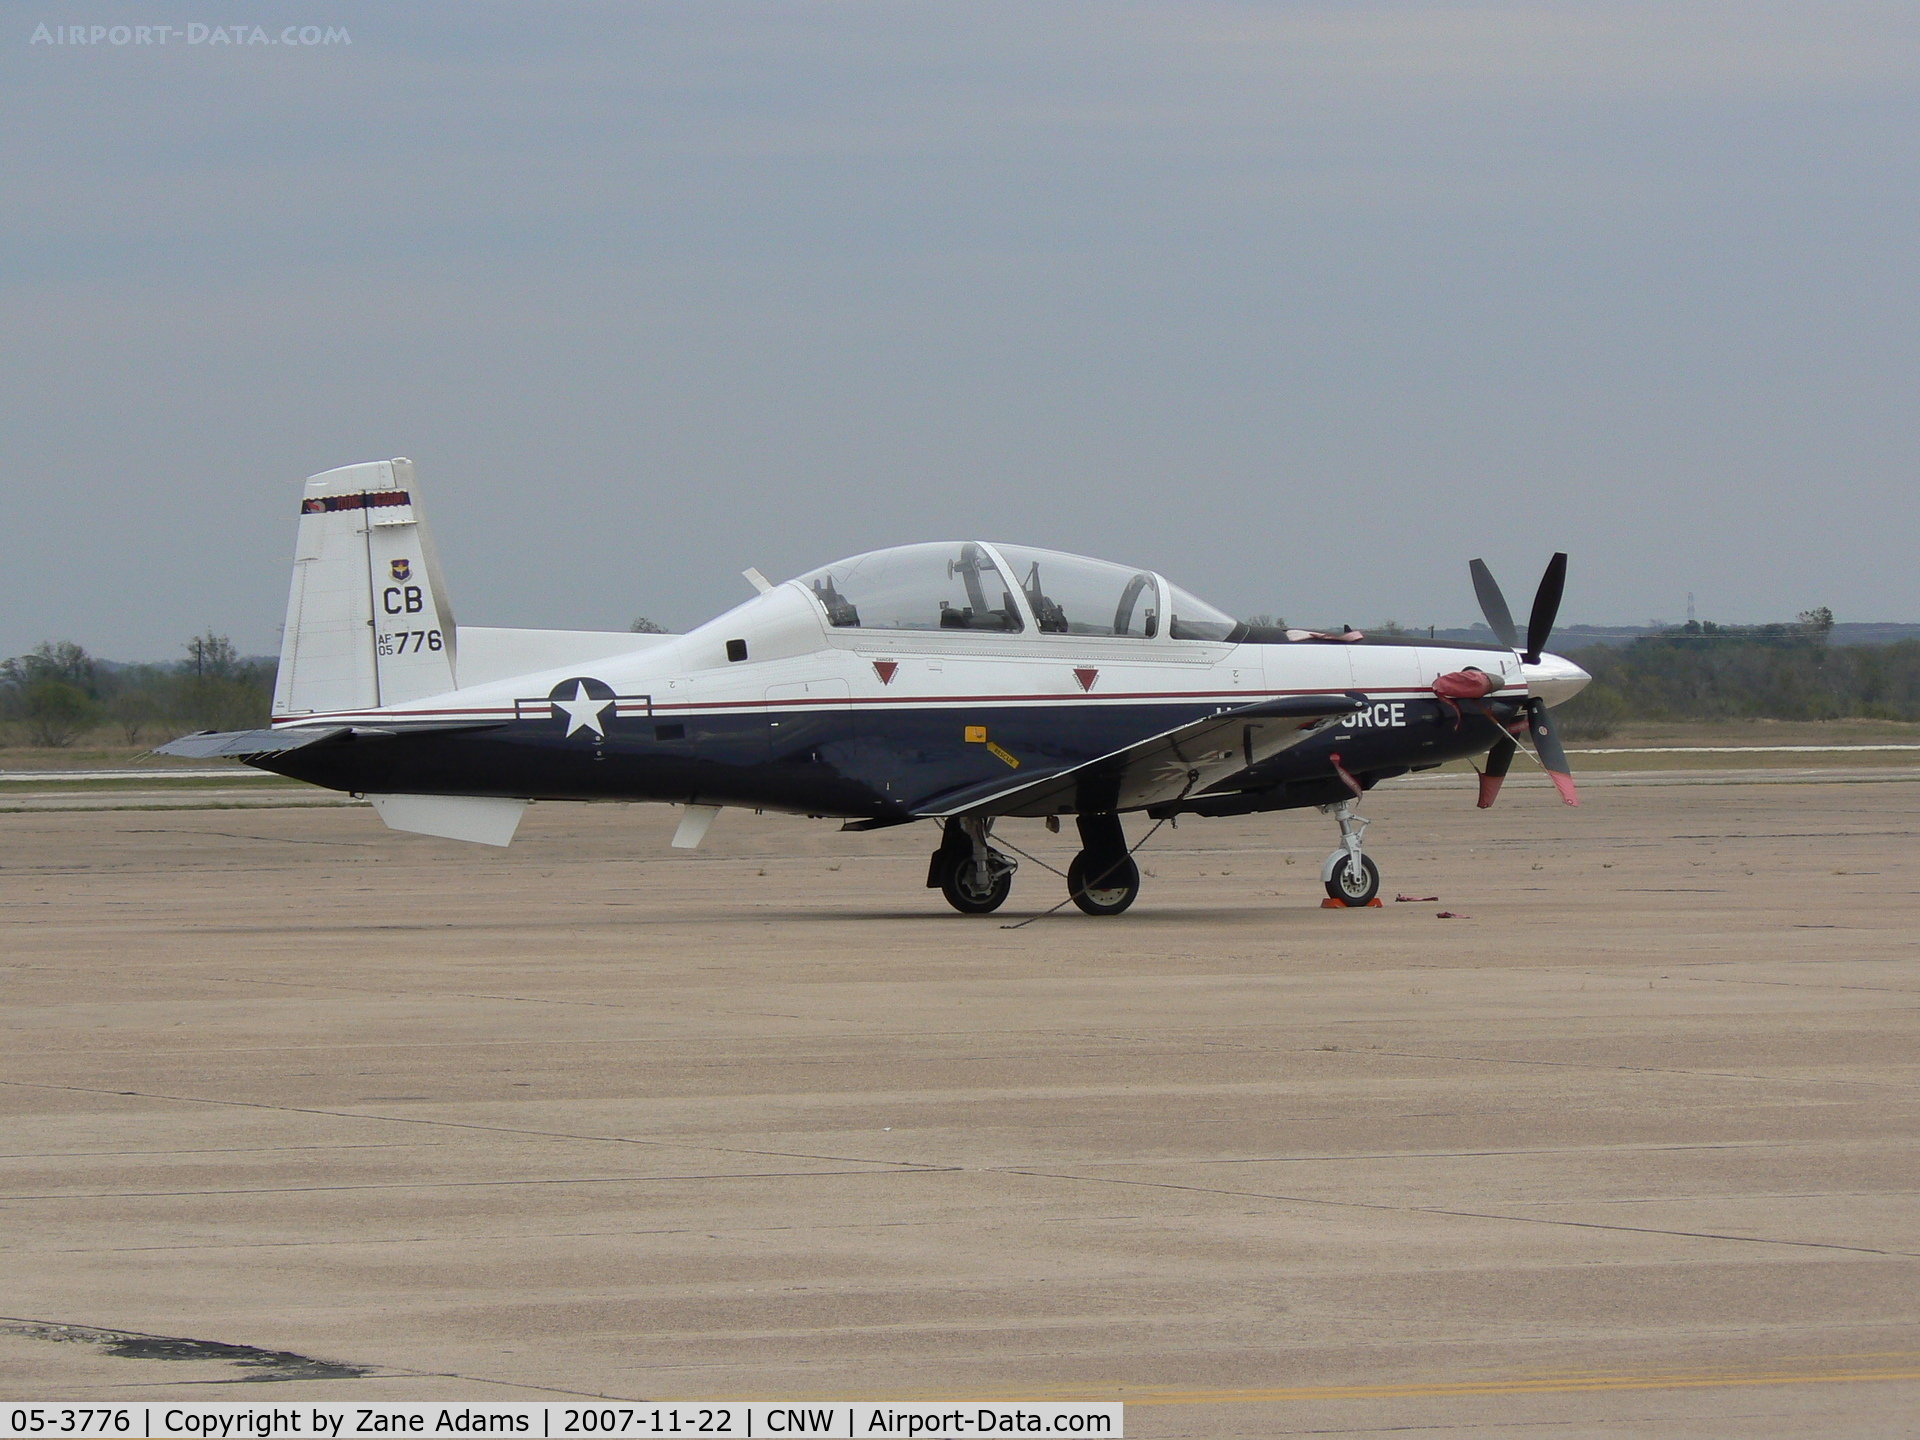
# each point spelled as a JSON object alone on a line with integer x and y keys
{"x": 957, "y": 883}
{"x": 1352, "y": 889}
{"x": 1114, "y": 887}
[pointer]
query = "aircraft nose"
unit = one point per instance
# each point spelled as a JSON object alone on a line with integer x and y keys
{"x": 1555, "y": 679}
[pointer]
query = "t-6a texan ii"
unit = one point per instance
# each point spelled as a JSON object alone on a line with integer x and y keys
{"x": 962, "y": 682}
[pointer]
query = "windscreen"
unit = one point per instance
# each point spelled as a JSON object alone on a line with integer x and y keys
{"x": 1193, "y": 619}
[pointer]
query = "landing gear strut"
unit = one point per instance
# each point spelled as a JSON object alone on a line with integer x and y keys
{"x": 1351, "y": 877}
{"x": 1103, "y": 879}
{"x": 973, "y": 876}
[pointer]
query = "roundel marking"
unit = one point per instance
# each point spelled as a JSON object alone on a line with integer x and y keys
{"x": 583, "y": 701}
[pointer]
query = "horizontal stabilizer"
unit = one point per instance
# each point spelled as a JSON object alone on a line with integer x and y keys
{"x": 208, "y": 744}
{"x": 1170, "y": 766}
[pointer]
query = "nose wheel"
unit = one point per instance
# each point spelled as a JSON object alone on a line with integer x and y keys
{"x": 1350, "y": 876}
{"x": 1352, "y": 884}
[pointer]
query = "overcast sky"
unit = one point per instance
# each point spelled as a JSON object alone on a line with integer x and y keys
{"x": 1303, "y": 305}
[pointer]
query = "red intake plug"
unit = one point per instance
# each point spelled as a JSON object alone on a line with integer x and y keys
{"x": 1466, "y": 685}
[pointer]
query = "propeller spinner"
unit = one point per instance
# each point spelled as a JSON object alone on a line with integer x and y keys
{"x": 1546, "y": 608}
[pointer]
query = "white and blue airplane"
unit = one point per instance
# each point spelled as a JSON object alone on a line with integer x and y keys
{"x": 962, "y": 682}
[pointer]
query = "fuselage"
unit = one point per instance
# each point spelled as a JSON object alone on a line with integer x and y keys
{"x": 774, "y": 705}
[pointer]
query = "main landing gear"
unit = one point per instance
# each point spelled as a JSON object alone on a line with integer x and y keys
{"x": 973, "y": 876}
{"x": 1103, "y": 880}
{"x": 1351, "y": 877}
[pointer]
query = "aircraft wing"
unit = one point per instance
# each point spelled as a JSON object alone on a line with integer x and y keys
{"x": 1178, "y": 762}
{"x": 209, "y": 744}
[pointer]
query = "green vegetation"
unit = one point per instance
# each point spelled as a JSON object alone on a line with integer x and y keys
{"x": 58, "y": 694}
{"x": 1703, "y": 671}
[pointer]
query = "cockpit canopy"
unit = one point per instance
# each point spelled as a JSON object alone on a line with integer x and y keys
{"x": 1007, "y": 589}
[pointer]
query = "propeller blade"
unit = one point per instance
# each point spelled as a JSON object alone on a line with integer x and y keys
{"x": 1553, "y": 755}
{"x": 1498, "y": 759}
{"x": 1493, "y": 605}
{"x": 1546, "y": 607}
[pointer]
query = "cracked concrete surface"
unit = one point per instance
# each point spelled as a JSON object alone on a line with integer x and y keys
{"x": 1629, "y": 1150}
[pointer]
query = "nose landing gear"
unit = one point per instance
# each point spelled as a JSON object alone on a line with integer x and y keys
{"x": 1351, "y": 877}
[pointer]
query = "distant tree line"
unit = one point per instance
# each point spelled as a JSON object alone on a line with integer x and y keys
{"x": 57, "y": 693}
{"x": 1703, "y": 671}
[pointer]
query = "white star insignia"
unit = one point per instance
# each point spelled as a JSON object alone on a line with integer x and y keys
{"x": 583, "y": 711}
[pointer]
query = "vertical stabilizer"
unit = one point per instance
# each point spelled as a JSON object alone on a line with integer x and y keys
{"x": 368, "y": 622}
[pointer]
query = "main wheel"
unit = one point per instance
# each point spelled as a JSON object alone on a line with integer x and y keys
{"x": 1115, "y": 887}
{"x": 961, "y": 885}
{"x": 1354, "y": 885}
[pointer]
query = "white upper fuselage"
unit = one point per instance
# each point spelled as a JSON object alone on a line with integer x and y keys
{"x": 794, "y": 657}
{"x": 928, "y": 680}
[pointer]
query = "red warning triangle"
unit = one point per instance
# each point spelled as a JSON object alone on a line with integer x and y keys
{"x": 884, "y": 669}
{"x": 1086, "y": 678}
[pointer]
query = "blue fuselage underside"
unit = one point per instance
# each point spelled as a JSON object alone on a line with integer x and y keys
{"x": 868, "y": 763}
